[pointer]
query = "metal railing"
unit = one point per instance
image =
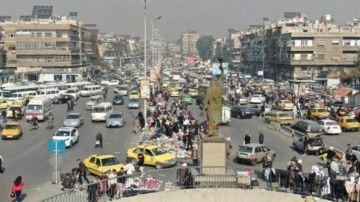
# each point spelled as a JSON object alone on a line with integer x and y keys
{"x": 183, "y": 178}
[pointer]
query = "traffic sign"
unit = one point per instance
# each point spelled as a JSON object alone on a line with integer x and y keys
{"x": 56, "y": 146}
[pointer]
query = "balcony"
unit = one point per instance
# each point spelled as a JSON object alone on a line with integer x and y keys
{"x": 63, "y": 51}
{"x": 322, "y": 62}
{"x": 351, "y": 48}
{"x": 49, "y": 63}
{"x": 301, "y": 48}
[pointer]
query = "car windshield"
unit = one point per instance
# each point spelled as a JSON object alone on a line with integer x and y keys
{"x": 321, "y": 110}
{"x": 115, "y": 116}
{"x": 245, "y": 149}
{"x": 133, "y": 93}
{"x": 123, "y": 88}
{"x": 71, "y": 91}
{"x": 62, "y": 133}
{"x": 331, "y": 123}
{"x": 316, "y": 142}
{"x": 99, "y": 110}
{"x": 73, "y": 116}
{"x": 34, "y": 107}
{"x": 11, "y": 126}
{"x": 283, "y": 115}
{"x": 243, "y": 108}
{"x": 256, "y": 96}
{"x": 16, "y": 95}
{"x": 158, "y": 151}
{"x": 109, "y": 161}
{"x": 351, "y": 120}
{"x": 119, "y": 97}
{"x": 286, "y": 102}
{"x": 93, "y": 99}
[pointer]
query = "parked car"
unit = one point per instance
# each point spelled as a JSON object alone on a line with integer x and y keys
{"x": 308, "y": 128}
{"x": 154, "y": 156}
{"x": 61, "y": 99}
{"x": 69, "y": 134}
{"x": 118, "y": 100}
{"x": 99, "y": 164}
{"x": 309, "y": 145}
{"x": 74, "y": 120}
{"x": 257, "y": 99}
{"x": 133, "y": 104}
{"x": 115, "y": 119}
{"x": 330, "y": 127}
{"x": 253, "y": 153}
{"x": 241, "y": 112}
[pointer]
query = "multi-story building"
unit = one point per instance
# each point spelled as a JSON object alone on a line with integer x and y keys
{"x": 188, "y": 43}
{"x": 300, "y": 49}
{"x": 234, "y": 46}
{"x": 46, "y": 49}
{"x": 174, "y": 49}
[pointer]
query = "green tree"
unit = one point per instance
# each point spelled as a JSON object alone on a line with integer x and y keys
{"x": 204, "y": 47}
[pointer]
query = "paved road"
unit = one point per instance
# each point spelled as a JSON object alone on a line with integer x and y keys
{"x": 29, "y": 157}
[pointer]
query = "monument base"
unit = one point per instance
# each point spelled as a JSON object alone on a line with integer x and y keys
{"x": 212, "y": 154}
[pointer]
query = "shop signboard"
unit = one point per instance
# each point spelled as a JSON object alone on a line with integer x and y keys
{"x": 145, "y": 89}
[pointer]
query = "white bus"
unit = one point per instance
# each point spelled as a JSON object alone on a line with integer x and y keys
{"x": 10, "y": 90}
{"x": 60, "y": 86}
{"x": 50, "y": 93}
{"x": 39, "y": 107}
{"x": 79, "y": 85}
{"x": 22, "y": 95}
{"x": 91, "y": 90}
{"x": 101, "y": 111}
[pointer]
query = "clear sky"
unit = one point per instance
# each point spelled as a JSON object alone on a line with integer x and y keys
{"x": 210, "y": 17}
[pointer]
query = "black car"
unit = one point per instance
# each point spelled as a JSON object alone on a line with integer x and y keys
{"x": 307, "y": 128}
{"x": 61, "y": 99}
{"x": 118, "y": 100}
{"x": 241, "y": 112}
{"x": 255, "y": 110}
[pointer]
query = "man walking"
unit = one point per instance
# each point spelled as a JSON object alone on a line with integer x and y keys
{"x": 99, "y": 140}
{"x": 194, "y": 156}
{"x": 247, "y": 138}
{"x": 261, "y": 138}
{"x": 112, "y": 181}
{"x": 120, "y": 183}
{"x": 141, "y": 160}
{"x": 82, "y": 172}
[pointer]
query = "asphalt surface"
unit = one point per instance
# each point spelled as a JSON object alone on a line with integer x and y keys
{"x": 29, "y": 157}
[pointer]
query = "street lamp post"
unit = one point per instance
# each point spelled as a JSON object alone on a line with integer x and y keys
{"x": 152, "y": 39}
{"x": 145, "y": 18}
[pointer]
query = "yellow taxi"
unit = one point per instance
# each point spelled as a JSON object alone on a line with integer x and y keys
{"x": 165, "y": 84}
{"x": 173, "y": 93}
{"x": 193, "y": 92}
{"x": 348, "y": 124}
{"x": 154, "y": 155}
{"x": 19, "y": 110}
{"x": 134, "y": 95}
{"x": 171, "y": 86}
{"x": 279, "y": 117}
{"x": 286, "y": 105}
{"x": 178, "y": 86}
{"x": 4, "y": 104}
{"x": 127, "y": 79}
{"x": 11, "y": 130}
{"x": 99, "y": 164}
{"x": 319, "y": 113}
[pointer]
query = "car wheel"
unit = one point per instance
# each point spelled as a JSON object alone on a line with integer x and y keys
{"x": 158, "y": 166}
{"x": 253, "y": 162}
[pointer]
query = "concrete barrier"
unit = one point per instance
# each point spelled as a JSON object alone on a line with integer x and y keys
{"x": 274, "y": 126}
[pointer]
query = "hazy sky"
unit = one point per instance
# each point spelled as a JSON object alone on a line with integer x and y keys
{"x": 210, "y": 17}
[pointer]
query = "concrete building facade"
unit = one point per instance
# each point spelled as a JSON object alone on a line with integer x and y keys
{"x": 174, "y": 49}
{"x": 44, "y": 46}
{"x": 300, "y": 49}
{"x": 188, "y": 43}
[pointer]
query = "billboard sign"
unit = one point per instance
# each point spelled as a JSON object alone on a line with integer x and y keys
{"x": 145, "y": 89}
{"x": 216, "y": 69}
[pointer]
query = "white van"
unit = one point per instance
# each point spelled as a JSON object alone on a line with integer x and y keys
{"x": 101, "y": 111}
{"x": 74, "y": 91}
{"x": 50, "y": 93}
{"x": 93, "y": 101}
{"x": 21, "y": 95}
{"x": 39, "y": 107}
{"x": 91, "y": 90}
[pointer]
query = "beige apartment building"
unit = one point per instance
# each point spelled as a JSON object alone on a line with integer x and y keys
{"x": 174, "y": 49}
{"x": 46, "y": 49}
{"x": 188, "y": 43}
{"x": 301, "y": 49}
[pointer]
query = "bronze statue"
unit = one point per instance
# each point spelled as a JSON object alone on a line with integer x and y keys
{"x": 213, "y": 102}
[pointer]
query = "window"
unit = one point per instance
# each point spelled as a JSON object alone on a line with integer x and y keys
{"x": 335, "y": 43}
{"x": 92, "y": 160}
{"x": 48, "y": 34}
{"x": 39, "y": 34}
{"x": 97, "y": 163}
{"x": 257, "y": 150}
{"x": 335, "y": 56}
{"x": 321, "y": 43}
{"x": 11, "y": 35}
{"x": 148, "y": 153}
{"x": 321, "y": 56}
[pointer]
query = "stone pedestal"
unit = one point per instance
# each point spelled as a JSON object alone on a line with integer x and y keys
{"x": 212, "y": 152}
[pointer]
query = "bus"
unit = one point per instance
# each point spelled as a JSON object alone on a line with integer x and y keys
{"x": 101, "y": 111}
{"x": 78, "y": 85}
{"x": 39, "y": 107}
{"x": 8, "y": 91}
{"x": 60, "y": 86}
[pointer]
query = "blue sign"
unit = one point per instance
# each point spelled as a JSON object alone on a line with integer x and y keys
{"x": 56, "y": 146}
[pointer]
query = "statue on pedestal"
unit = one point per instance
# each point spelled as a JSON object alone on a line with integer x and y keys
{"x": 213, "y": 101}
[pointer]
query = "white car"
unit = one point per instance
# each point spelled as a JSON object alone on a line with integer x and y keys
{"x": 330, "y": 127}
{"x": 113, "y": 82}
{"x": 257, "y": 99}
{"x": 75, "y": 92}
{"x": 356, "y": 150}
{"x": 68, "y": 134}
{"x": 243, "y": 101}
